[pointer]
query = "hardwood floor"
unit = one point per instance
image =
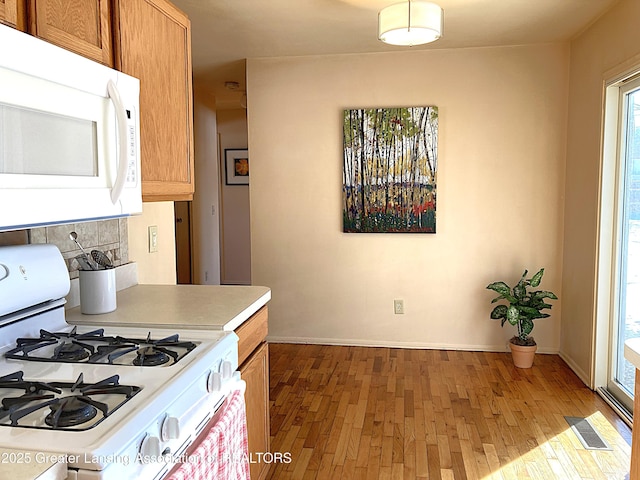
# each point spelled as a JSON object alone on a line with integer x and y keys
{"x": 384, "y": 413}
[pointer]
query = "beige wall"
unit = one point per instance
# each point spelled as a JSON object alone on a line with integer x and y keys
{"x": 608, "y": 45}
{"x": 158, "y": 267}
{"x": 500, "y": 195}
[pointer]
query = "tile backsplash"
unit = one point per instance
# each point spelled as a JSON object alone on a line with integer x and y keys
{"x": 110, "y": 236}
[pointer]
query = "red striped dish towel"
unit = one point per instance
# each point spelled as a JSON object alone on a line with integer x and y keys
{"x": 224, "y": 452}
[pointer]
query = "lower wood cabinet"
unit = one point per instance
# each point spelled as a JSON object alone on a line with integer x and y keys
{"x": 253, "y": 356}
{"x": 255, "y": 371}
{"x": 634, "y": 473}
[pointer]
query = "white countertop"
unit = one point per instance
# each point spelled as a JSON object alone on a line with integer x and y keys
{"x": 632, "y": 351}
{"x": 196, "y": 307}
{"x": 22, "y": 465}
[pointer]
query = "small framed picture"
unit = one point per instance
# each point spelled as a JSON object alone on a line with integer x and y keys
{"x": 237, "y": 166}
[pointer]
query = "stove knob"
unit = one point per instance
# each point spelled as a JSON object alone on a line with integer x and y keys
{"x": 4, "y": 272}
{"x": 214, "y": 382}
{"x": 150, "y": 446}
{"x": 227, "y": 369}
{"x": 170, "y": 429}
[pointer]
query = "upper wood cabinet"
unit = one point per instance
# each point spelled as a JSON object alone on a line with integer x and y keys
{"x": 147, "y": 39}
{"x": 12, "y": 12}
{"x": 153, "y": 43}
{"x": 84, "y": 27}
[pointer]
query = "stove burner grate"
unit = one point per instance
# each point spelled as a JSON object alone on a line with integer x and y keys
{"x": 70, "y": 411}
{"x": 75, "y": 410}
{"x": 71, "y": 351}
{"x": 96, "y": 348}
{"x": 151, "y": 356}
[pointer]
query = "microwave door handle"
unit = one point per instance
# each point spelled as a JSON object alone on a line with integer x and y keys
{"x": 121, "y": 118}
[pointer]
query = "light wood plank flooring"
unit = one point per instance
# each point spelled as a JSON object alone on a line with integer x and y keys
{"x": 384, "y": 413}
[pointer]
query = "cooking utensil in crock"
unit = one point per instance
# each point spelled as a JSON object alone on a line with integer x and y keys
{"x": 101, "y": 258}
{"x": 74, "y": 236}
{"x": 83, "y": 262}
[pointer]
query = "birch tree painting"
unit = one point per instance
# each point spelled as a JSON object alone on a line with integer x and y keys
{"x": 389, "y": 175}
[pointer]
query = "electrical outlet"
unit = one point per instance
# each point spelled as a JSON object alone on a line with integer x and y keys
{"x": 153, "y": 238}
{"x": 398, "y": 307}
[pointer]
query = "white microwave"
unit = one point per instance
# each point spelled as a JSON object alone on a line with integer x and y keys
{"x": 69, "y": 136}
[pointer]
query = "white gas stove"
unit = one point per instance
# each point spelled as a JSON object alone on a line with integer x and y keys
{"x": 114, "y": 402}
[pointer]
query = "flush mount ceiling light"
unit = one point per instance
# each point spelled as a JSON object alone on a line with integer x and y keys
{"x": 410, "y": 23}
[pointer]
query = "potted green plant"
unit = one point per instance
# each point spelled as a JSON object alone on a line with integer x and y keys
{"x": 524, "y": 306}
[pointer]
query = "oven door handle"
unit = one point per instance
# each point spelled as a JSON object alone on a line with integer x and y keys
{"x": 236, "y": 383}
{"x": 233, "y": 384}
{"x": 121, "y": 120}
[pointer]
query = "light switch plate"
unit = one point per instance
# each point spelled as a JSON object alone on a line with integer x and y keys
{"x": 153, "y": 238}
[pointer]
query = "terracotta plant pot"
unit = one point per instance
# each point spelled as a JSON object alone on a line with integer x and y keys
{"x": 522, "y": 355}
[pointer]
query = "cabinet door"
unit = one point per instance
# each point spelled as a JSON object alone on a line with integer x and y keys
{"x": 153, "y": 43}
{"x": 255, "y": 371}
{"x": 13, "y": 13}
{"x": 82, "y": 26}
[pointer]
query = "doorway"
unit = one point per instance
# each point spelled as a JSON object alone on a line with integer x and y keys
{"x": 619, "y": 264}
{"x": 182, "y": 213}
{"x": 627, "y": 272}
{"x": 235, "y": 231}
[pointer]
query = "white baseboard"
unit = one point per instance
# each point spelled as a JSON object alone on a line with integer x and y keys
{"x": 356, "y": 342}
{"x": 582, "y": 375}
